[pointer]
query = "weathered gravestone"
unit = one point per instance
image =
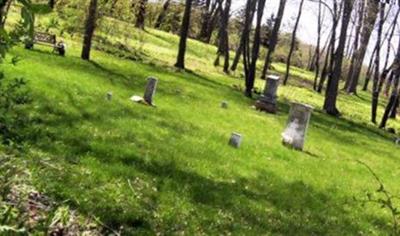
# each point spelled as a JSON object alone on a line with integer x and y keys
{"x": 150, "y": 90}
{"x": 224, "y": 104}
{"x": 109, "y": 96}
{"x": 397, "y": 141}
{"x": 148, "y": 93}
{"x": 295, "y": 132}
{"x": 235, "y": 140}
{"x": 267, "y": 101}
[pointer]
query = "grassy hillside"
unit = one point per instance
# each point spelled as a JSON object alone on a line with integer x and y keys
{"x": 169, "y": 169}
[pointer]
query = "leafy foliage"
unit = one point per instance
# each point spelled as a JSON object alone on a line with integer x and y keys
{"x": 14, "y": 119}
{"x": 13, "y": 94}
{"x": 385, "y": 199}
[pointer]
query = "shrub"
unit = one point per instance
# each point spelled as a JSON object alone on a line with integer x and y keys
{"x": 14, "y": 118}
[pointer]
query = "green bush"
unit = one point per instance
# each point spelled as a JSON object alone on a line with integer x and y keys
{"x": 14, "y": 119}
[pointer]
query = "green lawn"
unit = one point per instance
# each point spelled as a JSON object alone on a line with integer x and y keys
{"x": 169, "y": 169}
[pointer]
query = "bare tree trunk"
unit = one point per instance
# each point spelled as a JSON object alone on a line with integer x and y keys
{"x": 324, "y": 71}
{"x": 52, "y": 3}
{"x": 391, "y": 34}
{"x": 90, "y": 26}
{"x": 250, "y": 76}
{"x": 293, "y": 42}
{"x": 333, "y": 82}
{"x": 221, "y": 36}
{"x": 212, "y": 24}
{"x": 350, "y": 36}
{"x": 393, "y": 28}
{"x": 180, "y": 62}
{"x": 141, "y": 14}
{"x": 375, "y": 89}
{"x": 223, "y": 45}
{"x": 4, "y": 7}
{"x": 317, "y": 49}
{"x": 369, "y": 70}
{"x": 248, "y": 19}
{"x": 359, "y": 55}
{"x": 205, "y": 19}
{"x": 226, "y": 16}
{"x": 328, "y": 67}
{"x": 391, "y": 106}
{"x": 273, "y": 40}
{"x": 209, "y": 19}
{"x": 393, "y": 113}
{"x": 356, "y": 42}
{"x": 162, "y": 15}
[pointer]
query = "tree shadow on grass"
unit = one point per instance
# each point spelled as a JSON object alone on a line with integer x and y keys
{"x": 288, "y": 208}
{"x": 265, "y": 203}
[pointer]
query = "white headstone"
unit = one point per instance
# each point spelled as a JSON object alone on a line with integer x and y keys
{"x": 296, "y": 129}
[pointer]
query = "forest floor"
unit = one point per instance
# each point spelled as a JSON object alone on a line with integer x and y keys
{"x": 169, "y": 169}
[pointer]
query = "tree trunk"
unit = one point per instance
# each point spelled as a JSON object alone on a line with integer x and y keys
{"x": 90, "y": 26}
{"x": 162, "y": 15}
{"x": 393, "y": 112}
{"x": 221, "y": 36}
{"x": 212, "y": 24}
{"x": 273, "y": 40}
{"x": 375, "y": 89}
{"x": 52, "y": 3}
{"x": 330, "y": 58}
{"x": 318, "y": 47}
{"x": 209, "y": 20}
{"x": 251, "y": 74}
{"x": 324, "y": 71}
{"x": 389, "y": 44}
{"x": 205, "y": 19}
{"x": 4, "y": 7}
{"x": 293, "y": 42}
{"x": 141, "y": 14}
{"x": 180, "y": 62}
{"x": 356, "y": 42}
{"x": 333, "y": 82}
{"x": 391, "y": 34}
{"x": 248, "y": 19}
{"x": 391, "y": 106}
{"x": 359, "y": 55}
{"x": 225, "y": 25}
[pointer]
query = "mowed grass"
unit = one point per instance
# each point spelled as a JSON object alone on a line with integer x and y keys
{"x": 169, "y": 169}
